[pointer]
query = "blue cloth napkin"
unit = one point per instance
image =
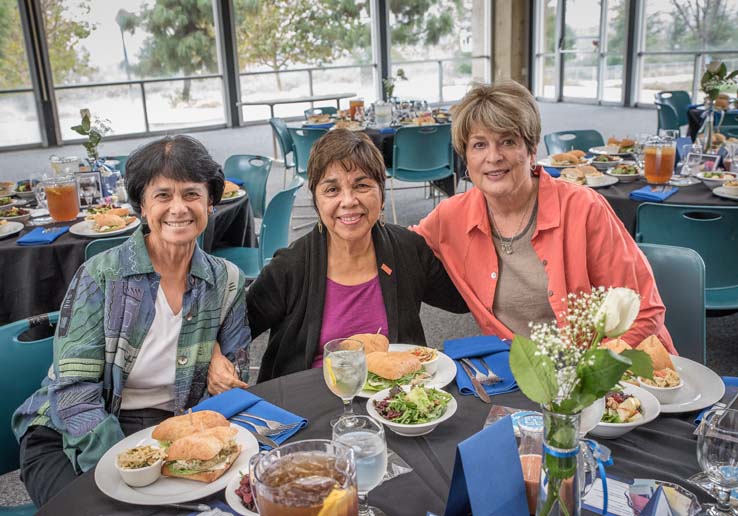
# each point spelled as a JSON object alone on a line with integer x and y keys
{"x": 42, "y": 236}
{"x": 647, "y": 193}
{"x": 235, "y": 180}
{"x": 235, "y": 401}
{"x": 387, "y": 130}
{"x": 553, "y": 172}
{"x": 683, "y": 146}
{"x": 477, "y": 488}
{"x": 729, "y": 381}
{"x": 327, "y": 125}
{"x": 496, "y": 354}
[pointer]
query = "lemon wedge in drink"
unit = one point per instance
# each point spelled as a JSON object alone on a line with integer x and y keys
{"x": 331, "y": 374}
{"x": 337, "y": 502}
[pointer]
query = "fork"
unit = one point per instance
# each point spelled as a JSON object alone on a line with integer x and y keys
{"x": 490, "y": 373}
{"x": 51, "y": 230}
{"x": 478, "y": 375}
{"x": 262, "y": 430}
{"x": 270, "y": 423}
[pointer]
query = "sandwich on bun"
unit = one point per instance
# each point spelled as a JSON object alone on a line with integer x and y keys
{"x": 573, "y": 175}
{"x": 204, "y": 456}
{"x": 373, "y": 342}
{"x": 390, "y": 368}
{"x": 563, "y": 159}
{"x": 230, "y": 190}
{"x": 178, "y": 427}
{"x": 578, "y": 153}
{"x": 105, "y": 222}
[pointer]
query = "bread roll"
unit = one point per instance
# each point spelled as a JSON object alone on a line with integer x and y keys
{"x": 588, "y": 170}
{"x": 205, "y": 476}
{"x": 180, "y": 426}
{"x": 200, "y": 446}
{"x": 392, "y": 364}
{"x": 659, "y": 356}
{"x": 578, "y": 153}
{"x": 373, "y": 342}
{"x": 564, "y": 158}
{"x": 121, "y": 212}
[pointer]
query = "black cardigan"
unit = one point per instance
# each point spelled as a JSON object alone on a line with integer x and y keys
{"x": 289, "y": 294}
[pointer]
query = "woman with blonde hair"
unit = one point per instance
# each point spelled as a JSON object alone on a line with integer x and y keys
{"x": 518, "y": 242}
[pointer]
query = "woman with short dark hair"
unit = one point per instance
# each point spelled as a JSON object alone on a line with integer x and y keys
{"x": 138, "y": 325}
{"x": 353, "y": 273}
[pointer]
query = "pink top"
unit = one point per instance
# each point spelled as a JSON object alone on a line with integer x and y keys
{"x": 351, "y": 309}
{"x": 578, "y": 239}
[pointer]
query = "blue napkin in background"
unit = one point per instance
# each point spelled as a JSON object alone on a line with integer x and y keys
{"x": 496, "y": 354}
{"x": 647, "y": 194}
{"x": 38, "y": 237}
{"x": 683, "y": 146}
{"x": 235, "y": 180}
{"x": 327, "y": 125}
{"x": 387, "y": 130}
{"x": 235, "y": 401}
{"x": 729, "y": 381}
{"x": 488, "y": 477}
{"x": 553, "y": 172}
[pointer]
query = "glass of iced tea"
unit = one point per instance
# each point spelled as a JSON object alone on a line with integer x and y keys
{"x": 659, "y": 156}
{"x": 305, "y": 478}
{"x": 60, "y": 195}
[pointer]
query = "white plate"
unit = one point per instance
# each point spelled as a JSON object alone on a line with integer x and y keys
{"x": 546, "y": 162}
{"x": 445, "y": 373}
{"x": 649, "y": 405}
{"x": 723, "y": 192}
{"x": 232, "y": 499}
{"x": 13, "y": 202}
{"x": 702, "y": 387}
{"x": 609, "y": 181}
{"x": 408, "y": 430}
{"x": 166, "y": 489}
{"x": 83, "y": 229}
{"x": 11, "y": 228}
{"x": 236, "y": 197}
{"x": 606, "y": 149}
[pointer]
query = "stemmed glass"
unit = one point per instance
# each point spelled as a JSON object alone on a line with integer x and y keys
{"x": 717, "y": 455}
{"x": 344, "y": 371}
{"x": 366, "y": 436}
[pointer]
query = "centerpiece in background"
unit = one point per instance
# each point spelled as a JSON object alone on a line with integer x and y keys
{"x": 95, "y": 130}
{"x": 563, "y": 368}
{"x": 714, "y": 80}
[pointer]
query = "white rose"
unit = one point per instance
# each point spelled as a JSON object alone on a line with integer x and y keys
{"x": 617, "y": 312}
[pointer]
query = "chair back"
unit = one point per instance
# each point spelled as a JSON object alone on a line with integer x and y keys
{"x": 303, "y": 139}
{"x": 275, "y": 226}
{"x": 729, "y": 124}
{"x": 253, "y": 171}
{"x": 712, "y": 231}
{"x": 23, "y": 364}
{"x": 677, "y": 99}
{"x": 285, "y": 141}
{"x": 103, "y": 244}
{"x": 667, "y": 117}
{"x": 422, "y": 151}
{"x": 563, "y": 141}
{"x": 322, "y": 110}
{"x": 680, "y": 278}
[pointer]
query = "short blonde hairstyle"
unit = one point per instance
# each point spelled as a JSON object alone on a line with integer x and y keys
{"x": 504, "y": 107}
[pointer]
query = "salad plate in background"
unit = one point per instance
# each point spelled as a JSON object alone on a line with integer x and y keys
{"x": 637, "y": 407}
{"x": 233, "y": 499}
{"x": 421, "y": 409}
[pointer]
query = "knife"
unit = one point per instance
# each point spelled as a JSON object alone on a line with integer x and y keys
{"x": 263, "y": 440}
{"x": 477, "y": 386}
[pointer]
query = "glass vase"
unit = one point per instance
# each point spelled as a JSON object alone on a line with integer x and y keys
{"x": 560, "y": 491}
{"x": 708, "y": 127}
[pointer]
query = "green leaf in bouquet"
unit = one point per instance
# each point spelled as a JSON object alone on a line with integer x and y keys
{"x": 79, "y": 130}
{"x": 599, "y": 371}
{"x": 642, "y": 365}
{"x": 533, "y": 372}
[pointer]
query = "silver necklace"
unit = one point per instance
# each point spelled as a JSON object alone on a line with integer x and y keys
{"x": 508, "y": 246}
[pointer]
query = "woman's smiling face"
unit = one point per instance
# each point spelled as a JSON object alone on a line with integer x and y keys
{"x": 176, "y": 211}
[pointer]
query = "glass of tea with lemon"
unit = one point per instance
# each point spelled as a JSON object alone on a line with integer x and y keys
{"x": 344, "y": 371}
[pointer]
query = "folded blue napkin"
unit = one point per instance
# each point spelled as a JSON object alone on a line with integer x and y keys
{"x": 235, "y": 180}
{"x": 553, "y": 172}
{"x": 327, "y": 125}
{"x": 42, "y": 236}
{"x": 653, "y": 194}
{"x": 731, "y": 384}
{"x": 496, "y": 354}
{"x": 476, "y": 487}
{"x": 235, "y": 401}
{"x": 387, "y": 130}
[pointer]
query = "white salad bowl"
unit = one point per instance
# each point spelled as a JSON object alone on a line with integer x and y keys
{"x": 649, "y": 405}
{"x": 409, "y": 430}
{"x": 714, "y": 182}
{"x": 140, "y": 477}
{"x": 665, "y": 395}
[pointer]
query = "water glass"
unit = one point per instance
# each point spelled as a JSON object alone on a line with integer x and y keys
{"x": 717, "y": 455}
{"x": 365, "y": 436}
{"x": 344, "y": 371}
{"x": 382, "y": 114}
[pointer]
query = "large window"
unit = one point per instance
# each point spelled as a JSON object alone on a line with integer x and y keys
{"x": 441, "y": 46}
{"x": 18, "y": 116}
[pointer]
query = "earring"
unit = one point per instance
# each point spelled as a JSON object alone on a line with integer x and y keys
{"x": 320, "y": 226}
{"x": 381, "y": 219}
{"x": 533, "y": 167}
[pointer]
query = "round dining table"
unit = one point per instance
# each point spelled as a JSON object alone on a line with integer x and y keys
{"x": 34, "y": 279}
{"x": 664, "y": 449}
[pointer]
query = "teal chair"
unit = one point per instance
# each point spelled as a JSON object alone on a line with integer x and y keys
{"x": 712, "y": 231}
{"x": 302, "y": 142}
{"x": 420, "y": 154}
{"x": 103, "y": 244}
{"x": 667, "y": 117}
{"x": 285, "y": 145}
{"x": 254, "y": 172}
{"x": 275, "y": 227}
{"x": 679, "y": 100}
{"x": 22, "y": 367}
{"x": 563, "y": 141}
{"x": 680, "y": 278}
{"x": 323, "y": 110}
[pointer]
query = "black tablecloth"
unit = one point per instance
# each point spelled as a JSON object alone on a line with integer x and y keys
{"x": 664, "y": 449}
{"x": 34, "y": 279}
{"x": 625, "y": 208}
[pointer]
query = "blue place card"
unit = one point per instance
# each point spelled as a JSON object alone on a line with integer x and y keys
{"x": 487, "y": 478}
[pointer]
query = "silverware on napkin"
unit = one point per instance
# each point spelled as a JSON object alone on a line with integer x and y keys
{"x": 477, "y": 386}
{"x": 263, "y": 439}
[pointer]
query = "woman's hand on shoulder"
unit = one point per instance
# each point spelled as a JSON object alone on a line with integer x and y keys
{"x": 222, "y": 373}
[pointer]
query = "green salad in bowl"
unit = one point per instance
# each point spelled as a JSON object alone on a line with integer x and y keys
{"x": 412, "y": 411}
